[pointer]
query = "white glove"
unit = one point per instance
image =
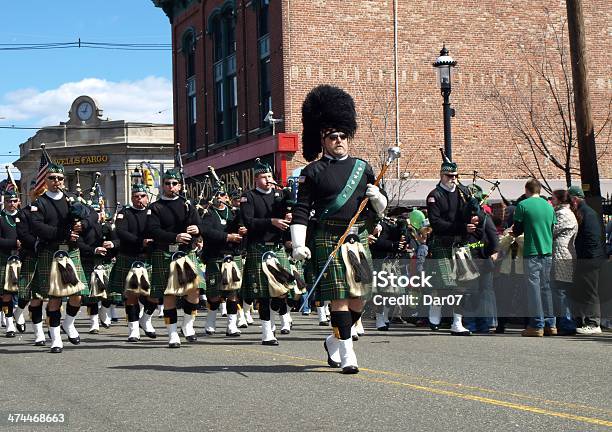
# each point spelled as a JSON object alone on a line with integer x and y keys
{"x": 377, "y": 199}
{"x": 298, "y": 241}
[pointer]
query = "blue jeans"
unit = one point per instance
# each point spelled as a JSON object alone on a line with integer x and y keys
{"x": 484, "y": 312}
{"x": 539, "y": 294}
{"x": 565, "y": 322}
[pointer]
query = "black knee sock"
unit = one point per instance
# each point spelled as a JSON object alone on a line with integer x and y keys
{"x": 132, "y": 312}
{"x": 22, "y": 303}
{"x": 213, "y": 306}
{"x": 248, "y": 301}
{"x": 263, "y": 306}
{"x": 232, "y": 307}
{"x": 189, "y": 308}
{"x": 170, "y": 316}
{"x": 55, "y": 317}
{"x": 355, "y": 316}
{"x": 341, "y": 321}
{"x": 35, "y": 313}
{"x": 149, "y": 307}
{"x": 107, "y": 303}
{"x": 93, "y": 309}
{"x": 276, "y": 304}
{"x": 72, "y": 310}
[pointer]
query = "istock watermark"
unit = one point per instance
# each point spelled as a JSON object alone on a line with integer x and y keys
{"x": 418, "y": 300}
{"x": 385, "y": 279}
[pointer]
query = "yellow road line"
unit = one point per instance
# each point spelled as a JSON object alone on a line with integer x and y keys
{"x": 491, "y": 401}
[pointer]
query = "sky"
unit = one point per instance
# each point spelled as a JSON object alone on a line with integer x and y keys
{"x": 38, "y": 86}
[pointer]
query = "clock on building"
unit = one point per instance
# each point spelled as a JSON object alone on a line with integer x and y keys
{"x": 85, "y": 111}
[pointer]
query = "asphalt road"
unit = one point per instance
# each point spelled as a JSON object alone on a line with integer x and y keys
{"x": 410, "y": 379}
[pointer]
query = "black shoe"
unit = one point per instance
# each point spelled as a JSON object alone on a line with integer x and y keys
{"x": 56, "y": 350}
{"x": 285, "y": 331}
{"x": 228, "y": 334}
{"x": 106, "y": 326}
{"x": 39, "y": 343}
{"x": 330, "y": 362}
{"x": 209, "y": 333}
{"x": 461, "y": 333}
{"x": 355, "y": 338}
{"x": 10, "y": 334}
{"x": 566, "y": 332}
{"x": 21, "y": 328}
{"x": 384, "y": 328}
{"x": 114, "y": 319}
{"x": 94, "y": 331}
{"x": 73, "y": 341}
{"x": 500, "y": 330}
{"x": 243, "y": 326}
{"x": 223, "y": 315}
{"x": 272, "y": 342}
{"x": 174, "y": 345}
{"x": 133, "y": 339}
{"x": 434, "y": 327}
{"x": 349, "y": 370}
{"x": 191, "y": 339}
{"x": 324, "y": 323}
{"x": 150, "y": 335}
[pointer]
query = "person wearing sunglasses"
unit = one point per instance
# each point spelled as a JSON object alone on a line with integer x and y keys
{"x": 448, "y": 210}
{"x": 333, "y": 186}
{"x": 265, "y": 216}
{"x": 9, "y": 245}
{"x": 59, "y": 272}
{"x": 173, "y": 224}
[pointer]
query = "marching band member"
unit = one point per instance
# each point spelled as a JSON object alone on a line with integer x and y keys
{"x": 223, "y": 258}
{"x": 130, "y": 276}
{"x": 334, "y": 186}
{"x": 59, "y": 272}
{"x": 244, "y": 309}
{"x": 173, "y": 224}
{"x": 27, "y": 253}
{"x": 10, "y": 262}
{"x": 266, "y": 220}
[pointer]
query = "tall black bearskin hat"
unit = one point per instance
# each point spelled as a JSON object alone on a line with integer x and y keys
{"x": 326, "y": 107}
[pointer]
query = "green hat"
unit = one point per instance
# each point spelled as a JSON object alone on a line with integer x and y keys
{"x": 448, "y": 168}
{"x": 576, "y": 191}
{"x": 10, "y": 193}
{"x": 417, "y": 217}
{"x": 236, "y": 193}
{"x": 138, "y": 188}
{"x": 476, "y": 191}
{"x": 56, "y": 168}
{"x": 173, "y": 173}
{"x": 261, "y": 168}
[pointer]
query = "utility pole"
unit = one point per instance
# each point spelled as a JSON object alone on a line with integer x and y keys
{"x": 587, "y": 152}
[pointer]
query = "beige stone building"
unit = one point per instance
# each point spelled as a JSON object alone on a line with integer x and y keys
{"x": 114, "y": 148}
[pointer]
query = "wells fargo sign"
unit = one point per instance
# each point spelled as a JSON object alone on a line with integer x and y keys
{"x": 82, "y": 160}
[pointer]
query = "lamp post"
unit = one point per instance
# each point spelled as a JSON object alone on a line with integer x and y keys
{"x": 443, "y": 65}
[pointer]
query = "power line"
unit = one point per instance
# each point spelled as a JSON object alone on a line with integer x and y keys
{"x": 86, "y": 44}
{"x": 72, "y": 127}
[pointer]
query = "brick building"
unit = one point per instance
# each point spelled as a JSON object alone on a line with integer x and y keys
{"x": 235, "y": 60}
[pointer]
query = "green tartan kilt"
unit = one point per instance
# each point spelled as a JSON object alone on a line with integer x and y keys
{"x": 26, "y": 277}
{"x": 89, "y": 264}
{"x": 160, "y": 263}
{"x": 440, "y": 266}
{"x": 40, "y": 287}
{"x": 121, "y": 268}
{"x": 333, "y": 285}
{"x": 255, "y": 281}
{"x": 213, "y": 278}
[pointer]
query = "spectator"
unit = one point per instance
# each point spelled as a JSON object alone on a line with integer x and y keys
{"x": 591, "y": 254}
{"x": 564, "y": 257}
{"x": 535, "y": 217}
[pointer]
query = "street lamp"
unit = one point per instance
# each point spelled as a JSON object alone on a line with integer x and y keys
{"x": 444, "y": 65}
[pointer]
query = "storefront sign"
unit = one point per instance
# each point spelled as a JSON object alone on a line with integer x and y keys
{"x": 82, "y": 160}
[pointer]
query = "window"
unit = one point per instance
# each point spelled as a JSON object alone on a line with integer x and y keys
{"x": 263, "y": 48}
{"x": 190, "y": 86}
{"x": 223, "y": 32}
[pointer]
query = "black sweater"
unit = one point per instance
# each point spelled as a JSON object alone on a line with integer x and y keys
{"x": 168, "y": 218}
{"x": 589, "y": 242}
{"x": 131, "y": 230}
{"x": 8, "y": 233}
{"x": 51, "y": 221}
{"x": 257, "y": 210}
{"x": 215, "y": 234}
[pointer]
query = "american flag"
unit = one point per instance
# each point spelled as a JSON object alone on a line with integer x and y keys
{"x": 43, "y": 170}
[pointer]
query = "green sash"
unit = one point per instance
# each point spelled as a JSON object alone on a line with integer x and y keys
{"x": 347, "y": 192}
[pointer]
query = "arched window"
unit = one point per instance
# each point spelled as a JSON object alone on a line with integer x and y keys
{"x": 222, "y": 29}
{"x": 189, "y": 53}
{"x": 263, "y": 44}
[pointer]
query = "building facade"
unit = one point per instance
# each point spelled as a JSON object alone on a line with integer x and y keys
{"x": 114, "y": 148}
{"x": 234, "y": 61}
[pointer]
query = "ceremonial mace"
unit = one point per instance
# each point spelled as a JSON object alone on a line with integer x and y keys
{"x": 393, "y": 154}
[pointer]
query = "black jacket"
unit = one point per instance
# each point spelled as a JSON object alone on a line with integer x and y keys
{"x": 168, "y": 218}
{"x": 131, "y": 230}
{"x": 8, "y": 233}
{"x": 258, "y": 209}
{"x": 589, "y": 242}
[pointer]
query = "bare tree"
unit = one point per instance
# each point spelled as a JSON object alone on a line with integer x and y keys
{"x": 539, "y": 110}
{"x": 376, "y": 117}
